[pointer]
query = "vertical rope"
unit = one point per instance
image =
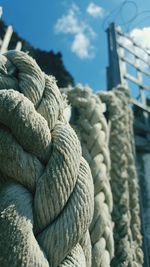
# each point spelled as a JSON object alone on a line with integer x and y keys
{"x": 91, "y": 127}
{"x": 124, "y": 183}
{"x": 134, "y": 197}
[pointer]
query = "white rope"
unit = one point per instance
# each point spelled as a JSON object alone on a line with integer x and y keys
{"x": 91, "y": 127}
{"x": 46, "y": 188}
{"x": 124, "y": 182}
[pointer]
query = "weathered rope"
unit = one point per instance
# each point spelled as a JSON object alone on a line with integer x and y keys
{"x": 91, "y": 127}
{"x": 46, "y": 188}
{"x": 134, "y": 197}
{"x": 124, "y": 182}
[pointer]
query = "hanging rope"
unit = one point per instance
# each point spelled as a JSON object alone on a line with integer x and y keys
{"x": 134, "y": 196}
{"x": 91, "y": 127}
{"x": 124, "y": 182}
{"x": 46, "y": 188}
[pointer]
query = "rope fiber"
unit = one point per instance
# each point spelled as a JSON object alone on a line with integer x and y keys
{"x": 46, "y": 187}
{"x": 92, "y": 130}
{"x": 124, "y": 181}
{"x": 55, "y": 209}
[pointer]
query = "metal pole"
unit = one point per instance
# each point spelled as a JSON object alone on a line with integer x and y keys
{"x": 113, "y": 71}
{"x": 6, "y": 39}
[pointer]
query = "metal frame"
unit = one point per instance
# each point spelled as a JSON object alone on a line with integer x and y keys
{"x": 117, "y": 73}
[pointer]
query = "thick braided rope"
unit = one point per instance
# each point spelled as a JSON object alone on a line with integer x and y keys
{"x": 91, "y": 128}
{"x": 134, "y": 196}
{"x": 124, "y": 181}
{"x": 46, "y": 188}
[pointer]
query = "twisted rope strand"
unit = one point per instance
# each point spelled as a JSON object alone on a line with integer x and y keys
{"x": 46, "y": 188}
{"x": 124, "y": 182}
{"x": 91, "y": 128}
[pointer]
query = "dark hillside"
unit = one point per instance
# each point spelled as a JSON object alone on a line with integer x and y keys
{"x": 50, "y": 62}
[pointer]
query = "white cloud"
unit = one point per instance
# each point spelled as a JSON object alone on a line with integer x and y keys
{"x": 95, "y": 10}
{"x": 82, "y": 34}
{"x": 141, "y": 36}
{"x": 81, "y": 46}
{"x": 68, "y": 23}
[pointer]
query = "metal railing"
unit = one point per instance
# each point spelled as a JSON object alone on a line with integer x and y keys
{"x": 126, "y": 56}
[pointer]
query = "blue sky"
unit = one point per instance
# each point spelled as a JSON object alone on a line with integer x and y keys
{"x": 77, "y": 29}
